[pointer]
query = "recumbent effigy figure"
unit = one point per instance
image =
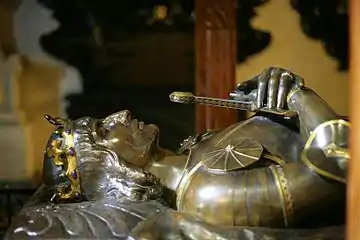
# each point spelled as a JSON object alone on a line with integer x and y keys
{"x": 281, "y": 174}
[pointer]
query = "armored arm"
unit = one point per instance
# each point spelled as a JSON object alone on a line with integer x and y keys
{"x": 312, "y": 110}
{"x": 326, "y": 135}
{"x": 326, "y": 150}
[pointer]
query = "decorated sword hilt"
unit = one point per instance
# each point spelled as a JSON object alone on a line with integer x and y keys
{"x": 189, "y": 98}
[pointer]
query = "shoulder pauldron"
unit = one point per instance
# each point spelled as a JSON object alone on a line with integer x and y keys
{"x": 326, "y": 152}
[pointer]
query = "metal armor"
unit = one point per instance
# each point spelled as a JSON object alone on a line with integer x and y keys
{"x": 248, "y": 175}
{"x": 283, "y": 170}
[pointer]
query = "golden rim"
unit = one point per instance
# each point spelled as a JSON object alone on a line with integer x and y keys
{"x": 284, "y": 193}
{"x": 311, "y": 139}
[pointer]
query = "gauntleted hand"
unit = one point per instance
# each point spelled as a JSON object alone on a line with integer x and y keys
{"x": 270, "y": 89}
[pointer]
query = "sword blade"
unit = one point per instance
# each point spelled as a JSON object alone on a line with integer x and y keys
{"x": 189, "y": 98}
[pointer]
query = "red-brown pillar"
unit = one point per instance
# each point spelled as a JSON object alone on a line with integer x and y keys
{"x": 215, "y": 60}
{"x": 353, "y": 196}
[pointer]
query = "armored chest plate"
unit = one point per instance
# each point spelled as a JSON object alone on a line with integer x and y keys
{"x": 243, "y": 144}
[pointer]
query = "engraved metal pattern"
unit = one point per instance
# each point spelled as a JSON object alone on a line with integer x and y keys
{"x": 191, "y": 141}
{"x": 330, "y": 138}
{"x": 284, "y": 192}
{"x": 188, "y": 143}
{"x": 85, "y": 220}
{"x": 233, "y": 157}
{"x": 61, "y": 151}
{"x": 97, "y": 168}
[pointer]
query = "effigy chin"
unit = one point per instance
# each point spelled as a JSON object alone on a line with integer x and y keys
{"x": 280, "y": 174}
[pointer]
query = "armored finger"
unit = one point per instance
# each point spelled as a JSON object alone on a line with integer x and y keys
{"x": 262, "y": 86}
{"x": 284, "y": 85}
{"x": 273, "y": 86}
{"x": 248, "y": 85}
{"x": 241, "y": 86}
{"x": 299, "y": 81}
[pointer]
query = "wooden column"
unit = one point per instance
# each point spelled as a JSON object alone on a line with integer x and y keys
{"x": 353, "y": 196}
{"x": 7, "y": 38}
{"x": 215, "y": 60}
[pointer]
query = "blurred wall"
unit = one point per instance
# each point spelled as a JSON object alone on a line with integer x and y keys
{"x": 291, "y": 48}
{"x": 37, "y": 78}
{"x": 32, "y": 83}
{"x": 32, "y": 20}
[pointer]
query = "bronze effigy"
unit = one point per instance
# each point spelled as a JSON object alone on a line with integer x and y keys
{"x": 278, "y": 175}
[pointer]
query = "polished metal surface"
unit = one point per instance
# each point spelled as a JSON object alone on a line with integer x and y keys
{"x": 205, "y": 190}
{"x": 269, "y": 177}
{"x": 93, "y": 219}
{"x": 307, "y": 103}
{"x": 319, "y": 149}
{"x": 187, "y": 98}
{"x": 175, "y": 225}
{"x": 60, "y": 157}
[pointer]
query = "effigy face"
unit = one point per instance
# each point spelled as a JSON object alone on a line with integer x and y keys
{"x": 89, "y": 158}
{"x": 96, "y": 191}
{"x": 129, "y": 138}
